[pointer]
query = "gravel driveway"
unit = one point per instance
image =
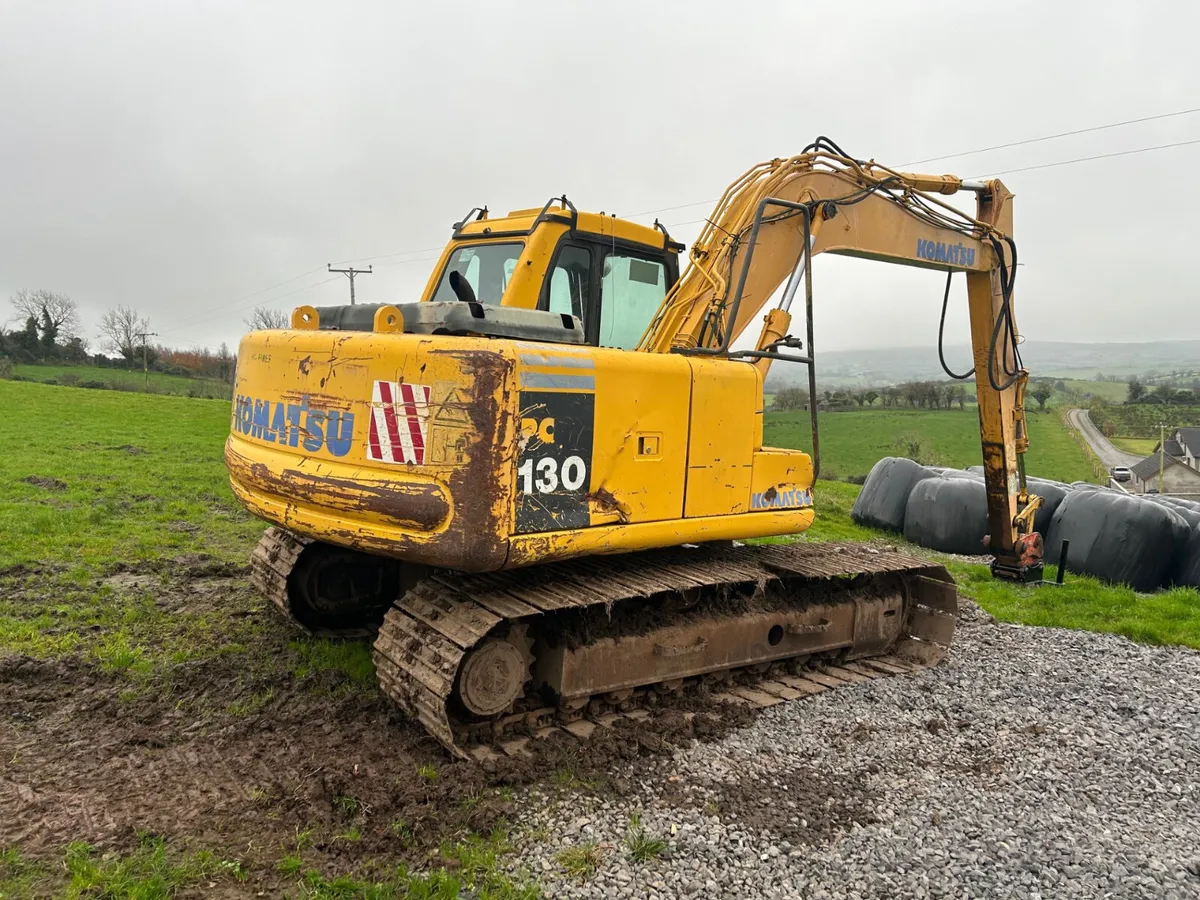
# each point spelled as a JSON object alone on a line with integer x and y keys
{"x": 1033, "y": 763}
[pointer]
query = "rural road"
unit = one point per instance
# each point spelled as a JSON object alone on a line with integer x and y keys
{"x": 1109, "y": 455}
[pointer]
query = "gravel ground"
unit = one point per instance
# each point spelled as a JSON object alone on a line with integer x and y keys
{"x": 1032, "y": 763}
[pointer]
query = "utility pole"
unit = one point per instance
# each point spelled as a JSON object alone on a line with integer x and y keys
{"x": 350, "y": 272}
{"x": 1162, "y": 450}
{"x": 145, "y": 366}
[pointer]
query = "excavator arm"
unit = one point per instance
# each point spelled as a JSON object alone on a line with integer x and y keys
{"x": 771, "y": 222}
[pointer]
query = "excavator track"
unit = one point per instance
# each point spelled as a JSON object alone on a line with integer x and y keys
{"x": 272, "y": 562}
{"x": 287, "y": 569}
{"x": 487, "y": 661}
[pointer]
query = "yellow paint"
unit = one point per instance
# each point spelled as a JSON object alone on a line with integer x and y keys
{"x": 781, "y": 471}
{"x": 529, "y": 549}
{"x": 639, "y": 394}
{"x": 726, "y": 428}
{"x": 676, "y": 453}
{"x": 525, "y": 285}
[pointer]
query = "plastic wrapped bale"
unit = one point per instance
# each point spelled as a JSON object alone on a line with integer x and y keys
{"x": 1175, "y": 502}
{"x": 1184, "y": 537}
{"x": 948, "y": 514}
{"x": 1052, "y": 494}
{"x": 881, "y": 502}
{"x": 1187, "y": 564}
{"x": 957, "y": 473}
{"x": 1116, "y": 538}
{"x": 1186, "y": 511}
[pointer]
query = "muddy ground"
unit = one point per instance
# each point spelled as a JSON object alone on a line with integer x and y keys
{"x": 237, "y": 753}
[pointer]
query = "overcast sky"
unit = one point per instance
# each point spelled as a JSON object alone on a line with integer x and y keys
{"x": 180, "y": 156}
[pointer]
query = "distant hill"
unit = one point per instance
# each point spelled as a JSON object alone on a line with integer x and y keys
{"x": 1059, "y": 359}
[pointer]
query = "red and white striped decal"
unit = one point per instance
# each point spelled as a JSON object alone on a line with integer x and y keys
{"x": 399, "y": 422}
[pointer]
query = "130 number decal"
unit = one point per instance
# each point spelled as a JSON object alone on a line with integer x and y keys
{"x": 544, "y": 476}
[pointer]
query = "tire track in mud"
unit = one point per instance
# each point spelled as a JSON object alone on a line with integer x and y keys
{"x": 83, "y": 758}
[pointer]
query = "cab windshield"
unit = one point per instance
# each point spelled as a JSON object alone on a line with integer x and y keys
{"x": 486, "y": 267}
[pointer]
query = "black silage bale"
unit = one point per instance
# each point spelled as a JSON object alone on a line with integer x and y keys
{"x": 948, "y": 514}
{"x": 884, "y": 496}
{"x": 1116, "y": 537}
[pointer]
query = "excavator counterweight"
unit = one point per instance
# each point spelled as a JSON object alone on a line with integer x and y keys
{"x": 531, "y": 484}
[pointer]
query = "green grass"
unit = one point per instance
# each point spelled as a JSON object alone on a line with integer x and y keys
{"x": 128, "y": 489}
{"x": 1136, "y": 446}
{"x": 150, "y": 871}
{"x": 581, "y": 861}
{"x": 640, "y": 844}
{"x": 121, "y": 488}
{"x": 1112, "y": 391}
{"x": 317, "y": 655}
{"x": 153, "y": 870}
{"x": 1166, "y": 617}
{"x": 91, "y": 478}
{"x": 1142, "y": 420}
{"x": 852, "y": 442}
{"x": 127, "y": 380}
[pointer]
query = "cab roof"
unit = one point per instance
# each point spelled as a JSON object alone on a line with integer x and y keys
{"x": 524, "y": 221}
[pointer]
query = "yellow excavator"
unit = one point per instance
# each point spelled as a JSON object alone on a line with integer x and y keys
{"x": 532, "y": 485}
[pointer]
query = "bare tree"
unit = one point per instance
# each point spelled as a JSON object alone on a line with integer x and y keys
{"x": 121, "y": 327}
{"x": 61, "y": 311}
{"x": 264, "y": 319}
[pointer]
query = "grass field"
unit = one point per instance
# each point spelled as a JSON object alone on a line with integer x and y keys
{"x": 123, "y": 580}
{"x": 127, "y": 380}
{"x": 1142, "y": 420}
{"x": 852, "y": 442}
{"x": 124, "y": 593}
{"x": 1112, "y": 391}
{"x": 1138, "y": 446}
{"x": 91, "y": 477}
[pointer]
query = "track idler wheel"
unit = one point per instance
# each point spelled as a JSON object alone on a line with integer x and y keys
{"x": 332, "y": 589}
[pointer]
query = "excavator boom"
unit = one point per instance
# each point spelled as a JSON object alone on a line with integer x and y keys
{"x": 772, "y": 221}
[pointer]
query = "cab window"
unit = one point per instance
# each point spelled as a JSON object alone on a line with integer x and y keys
{"x": 631, "y": 289}
{"x": 486, "y": 267}
{"x": 570, "y": 281}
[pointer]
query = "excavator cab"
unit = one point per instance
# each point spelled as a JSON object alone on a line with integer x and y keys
{"x": 526, "y": 275}
{"x": 610, "y": 274}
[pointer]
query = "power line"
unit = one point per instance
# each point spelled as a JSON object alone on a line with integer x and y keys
{"x": 1049, "y": 137}
{"x": 189, "y": 322}
{"x": 1036, "y": 140}
{"x": 362, "y": 259}
{"x": 350, "y": 273}
{"x": 1082, "y": 159}
{"x": 264, "y": 290}
{"x": 1053, "y": 137}
{"x": 670, "y": 208}
{"x": 401, "y": 262}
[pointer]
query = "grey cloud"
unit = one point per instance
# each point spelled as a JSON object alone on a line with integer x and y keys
{"x": 177, "y": 157}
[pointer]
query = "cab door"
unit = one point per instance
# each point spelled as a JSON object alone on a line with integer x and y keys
{"x": 614, "y": 287}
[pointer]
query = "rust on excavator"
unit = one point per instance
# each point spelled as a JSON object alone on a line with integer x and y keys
{"x": 420, "y": 506}
{"x": 480, "y": 497}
